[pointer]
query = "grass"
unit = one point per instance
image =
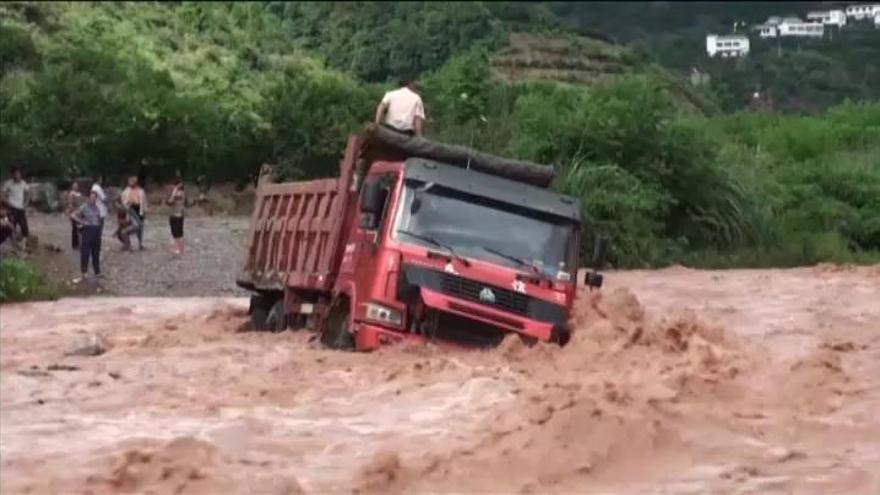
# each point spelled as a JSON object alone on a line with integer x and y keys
{"x": 21, "y": 280}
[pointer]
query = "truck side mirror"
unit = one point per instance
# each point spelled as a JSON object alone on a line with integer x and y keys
{"x": 600, "y": 251}
{"x": 593, "y": 280}
{"x": 372, "y": 198}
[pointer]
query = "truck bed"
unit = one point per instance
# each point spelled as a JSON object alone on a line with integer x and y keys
{"x": 293, "y": 241}
{"x": 297, "y": 229}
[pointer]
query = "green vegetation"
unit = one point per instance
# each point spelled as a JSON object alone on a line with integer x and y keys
{"x": 20, "y": 280}
{"x": 670, "y": 184}
{"x": 222, "y": 88}
{"x": 205, "y": 88}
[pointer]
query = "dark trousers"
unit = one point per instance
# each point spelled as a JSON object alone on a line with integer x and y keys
{"x": 409, "y": 133}
{"x": 5, "y": 233}
{"x": 90, "y": 248}
{"x": 135, "y": 211}
{"x": 124, "y": 235}
{"x": 74, "y": 235}
{"x": 19, "y": 217}
{"x": 100, "y": 234}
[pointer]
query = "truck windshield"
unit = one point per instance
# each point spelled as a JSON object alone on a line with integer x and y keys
{"x": 486, "y": 229}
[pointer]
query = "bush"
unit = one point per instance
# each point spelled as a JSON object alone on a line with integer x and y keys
{"x": 20, "y": 280}
{"x": 631, "y": 126}
{"x": 617, "y": 204}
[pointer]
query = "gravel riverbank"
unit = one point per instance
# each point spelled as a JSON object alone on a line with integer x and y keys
{"x": 215, "y": 251}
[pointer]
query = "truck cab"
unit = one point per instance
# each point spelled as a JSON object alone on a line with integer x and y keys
{"x": 443, "y": 252}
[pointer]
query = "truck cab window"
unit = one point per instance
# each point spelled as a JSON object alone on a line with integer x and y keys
{"x": 375, "y": 196}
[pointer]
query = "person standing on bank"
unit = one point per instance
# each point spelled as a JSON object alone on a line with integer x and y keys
{"x": 101, "y": 204}
{"x": 135, "y": 201}
{"x": 74, "y": 201}
{"x": 16, "y": 196}
{"x": 88, "y": 217}
{"x": 402, "y": 110}
{"x": 177, "y": 200}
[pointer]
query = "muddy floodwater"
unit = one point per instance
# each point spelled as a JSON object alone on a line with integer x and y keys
{"x": 677, "y": 381}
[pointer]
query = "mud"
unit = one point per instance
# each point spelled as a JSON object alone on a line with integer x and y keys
{"x": 677, "y": 381}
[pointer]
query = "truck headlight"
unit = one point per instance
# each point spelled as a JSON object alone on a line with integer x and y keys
{"x": 377, "y": 312}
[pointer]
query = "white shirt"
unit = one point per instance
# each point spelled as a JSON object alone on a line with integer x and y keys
{"x": 14, "y": 192}
{"x": 101, "y": 202}
{"x": 404, "y": 106}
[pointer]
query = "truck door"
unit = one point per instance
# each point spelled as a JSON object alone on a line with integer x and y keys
{"x": 369, "y": 233}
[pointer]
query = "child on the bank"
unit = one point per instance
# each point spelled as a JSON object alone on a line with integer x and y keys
{"x": 126, "y": 226}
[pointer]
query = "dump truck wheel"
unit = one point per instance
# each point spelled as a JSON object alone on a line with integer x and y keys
{"x": 336, "y": 334}
{"x": 276, "y": 320}
{"x": 260, "y": 307}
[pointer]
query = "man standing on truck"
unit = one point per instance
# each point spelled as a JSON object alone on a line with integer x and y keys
{"x": 402, "y": 110}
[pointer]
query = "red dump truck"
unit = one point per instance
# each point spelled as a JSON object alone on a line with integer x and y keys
{"x": 416, "y": 240}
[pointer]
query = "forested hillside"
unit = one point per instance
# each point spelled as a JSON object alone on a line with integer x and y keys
{"x": 220, "y": 88}
{"x": 201, "y": 87}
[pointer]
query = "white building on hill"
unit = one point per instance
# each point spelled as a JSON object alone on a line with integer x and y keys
{"x": 769, "y": 29}
{"x": 727, "y": 46}
{"x": 792, "y": 26}
{"x": 861, "y": 12}
{"x": 829, "y": 17}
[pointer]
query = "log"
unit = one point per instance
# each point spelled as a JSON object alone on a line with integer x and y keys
{"x": 518, "y": 170}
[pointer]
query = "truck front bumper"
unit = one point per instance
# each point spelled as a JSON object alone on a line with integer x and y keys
{"x": 503, "y": 320}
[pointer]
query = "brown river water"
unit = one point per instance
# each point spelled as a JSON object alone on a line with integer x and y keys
{"x": 677, "y": 381}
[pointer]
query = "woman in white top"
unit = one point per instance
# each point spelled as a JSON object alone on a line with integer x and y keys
{"x": 74, "y": 200}
{"x": 101, "y": 204}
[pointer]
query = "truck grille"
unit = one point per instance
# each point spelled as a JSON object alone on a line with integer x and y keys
{"x": 467, "y": 289}
{"x": 467, "y": 331}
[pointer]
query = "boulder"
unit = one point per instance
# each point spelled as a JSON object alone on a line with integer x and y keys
{"x": 44, "y": 197}
{"x": 94, "y": 345}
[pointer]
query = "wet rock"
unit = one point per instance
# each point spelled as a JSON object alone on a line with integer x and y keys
{"x": 380, "y": 474}
{"x": 33, "y": 373}
{"x": 52, "y": 248}
{"x": 844, "y": 346}
{"x": 94, "y": 346}
{"x": 288, "y": 486}
{"x": 782, "y": 454}
{"x": 62, "y": 367}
